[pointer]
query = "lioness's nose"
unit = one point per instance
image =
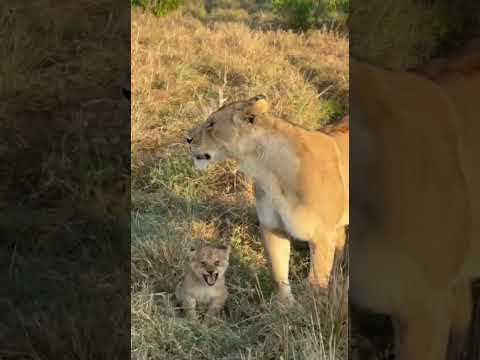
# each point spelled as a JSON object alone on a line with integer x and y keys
{"x": 189, "y": 139}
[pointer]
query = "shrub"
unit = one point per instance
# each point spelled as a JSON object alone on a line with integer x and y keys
{"x": 158, "y": 7}
{"x": 299, "y": 14}
{"x": 305, "y": 14}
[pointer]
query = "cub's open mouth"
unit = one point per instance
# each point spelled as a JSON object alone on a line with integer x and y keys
{"x": 203, "y": 157}
{"x": 210, "y": 279}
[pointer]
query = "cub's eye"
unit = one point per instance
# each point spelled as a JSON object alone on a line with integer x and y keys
{"x": 203, "y": 263}
{"x": 211, "y": 124}
{"x": 217, "y": 263}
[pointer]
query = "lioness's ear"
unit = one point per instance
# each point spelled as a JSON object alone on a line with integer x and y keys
{"x": 251, "y": 108}
{"x": 258, "y": 105}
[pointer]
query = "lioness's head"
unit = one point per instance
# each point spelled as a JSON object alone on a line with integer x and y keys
{"x": 209, "y": 263}
{"x": 225, "y": 133}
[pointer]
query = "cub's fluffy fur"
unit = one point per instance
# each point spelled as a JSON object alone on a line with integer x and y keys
{"x": 204, "y": 280}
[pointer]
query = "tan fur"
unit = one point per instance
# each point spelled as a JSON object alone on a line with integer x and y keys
{"x": 204, "y": 280}
{"x": 300, "y": 181}
{"x": 415, "y": 244}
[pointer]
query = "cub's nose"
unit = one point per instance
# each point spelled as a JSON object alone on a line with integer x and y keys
{"x": 189, "y": 139}
{"x": 210, "y": 272}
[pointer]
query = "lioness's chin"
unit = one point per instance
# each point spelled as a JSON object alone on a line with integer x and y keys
{"x": 201, "y": 165}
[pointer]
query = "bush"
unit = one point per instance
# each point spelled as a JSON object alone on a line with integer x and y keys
{"x": 158, "y": 7}
{"x": 305, "y": 14}
{"x": 299, "y": 14}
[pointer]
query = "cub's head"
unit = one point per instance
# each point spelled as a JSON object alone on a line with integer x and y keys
{"x": 209, "y": 262}
{"x": 225, "y": 133}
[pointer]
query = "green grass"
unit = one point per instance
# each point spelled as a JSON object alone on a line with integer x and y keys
{"x": 307, "y": 14}
{"x": 157, "y": 7}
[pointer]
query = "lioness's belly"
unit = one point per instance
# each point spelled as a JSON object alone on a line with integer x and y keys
{"x": 271, "y": 218}
{"x": 300, "y": 223}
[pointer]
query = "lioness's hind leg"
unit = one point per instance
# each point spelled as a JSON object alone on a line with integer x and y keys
{"x": 461, "y": 310}
{"x": 425, "y": 333}
{"x": 341, "y": 256}
{"x": 322, "y": 254}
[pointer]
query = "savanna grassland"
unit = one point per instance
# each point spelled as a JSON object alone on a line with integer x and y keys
{"x": 184, "y": 65}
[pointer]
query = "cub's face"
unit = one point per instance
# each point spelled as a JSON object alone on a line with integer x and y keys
{"x": 221, "y": 136}
{"x": 209, "y": 263}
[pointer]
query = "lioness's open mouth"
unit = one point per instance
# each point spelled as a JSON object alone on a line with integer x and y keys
{"x": 210, "y": 279}
{"x": 202, "y": 161}
{"x": 203, "y": 157}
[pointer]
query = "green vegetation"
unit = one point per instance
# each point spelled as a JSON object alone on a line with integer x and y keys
{"x": 300, "y": 15}
{"x": 158, "y": 7}
{"x": 306, "y": 14}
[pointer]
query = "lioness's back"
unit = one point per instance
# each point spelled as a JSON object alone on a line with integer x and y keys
{"x": 340, "y": 132}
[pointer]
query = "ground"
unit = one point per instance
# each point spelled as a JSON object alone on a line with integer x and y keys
{"x": 183, "y": 66}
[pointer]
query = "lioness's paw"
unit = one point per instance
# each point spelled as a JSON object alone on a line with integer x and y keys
{"x": 317, "y": 288}
{"x": 284, "y": 301}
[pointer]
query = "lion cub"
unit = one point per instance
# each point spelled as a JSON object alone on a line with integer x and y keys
{"x": 204, "y": 281}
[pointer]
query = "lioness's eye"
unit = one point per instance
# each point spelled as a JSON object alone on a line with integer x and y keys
{"x": 203, "y": 263}
{"x": 210, "y": 124}
{"x": 217, "y": 263}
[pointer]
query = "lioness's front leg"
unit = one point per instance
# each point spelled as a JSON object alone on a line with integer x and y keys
{"x": 277, "y": 247}
{"x": 322, "y": 254}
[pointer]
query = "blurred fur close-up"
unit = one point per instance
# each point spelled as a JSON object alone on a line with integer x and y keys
{"x": 426, "y": 55}
{"x": 186, "y": 63}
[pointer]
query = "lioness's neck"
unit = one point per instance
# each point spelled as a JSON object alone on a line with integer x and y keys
{"x": 273, "y": 154}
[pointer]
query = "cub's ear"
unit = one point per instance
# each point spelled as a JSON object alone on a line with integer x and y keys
{"x": 251, "y": 108}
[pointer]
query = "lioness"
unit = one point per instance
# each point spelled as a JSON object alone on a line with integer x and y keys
{"x": 416, "y": 203}
{"x": 204, "y": 280}
{"x": 300, "y": 181}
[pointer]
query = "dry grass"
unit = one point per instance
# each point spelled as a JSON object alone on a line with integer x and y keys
{"x": 181, "y": 67}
